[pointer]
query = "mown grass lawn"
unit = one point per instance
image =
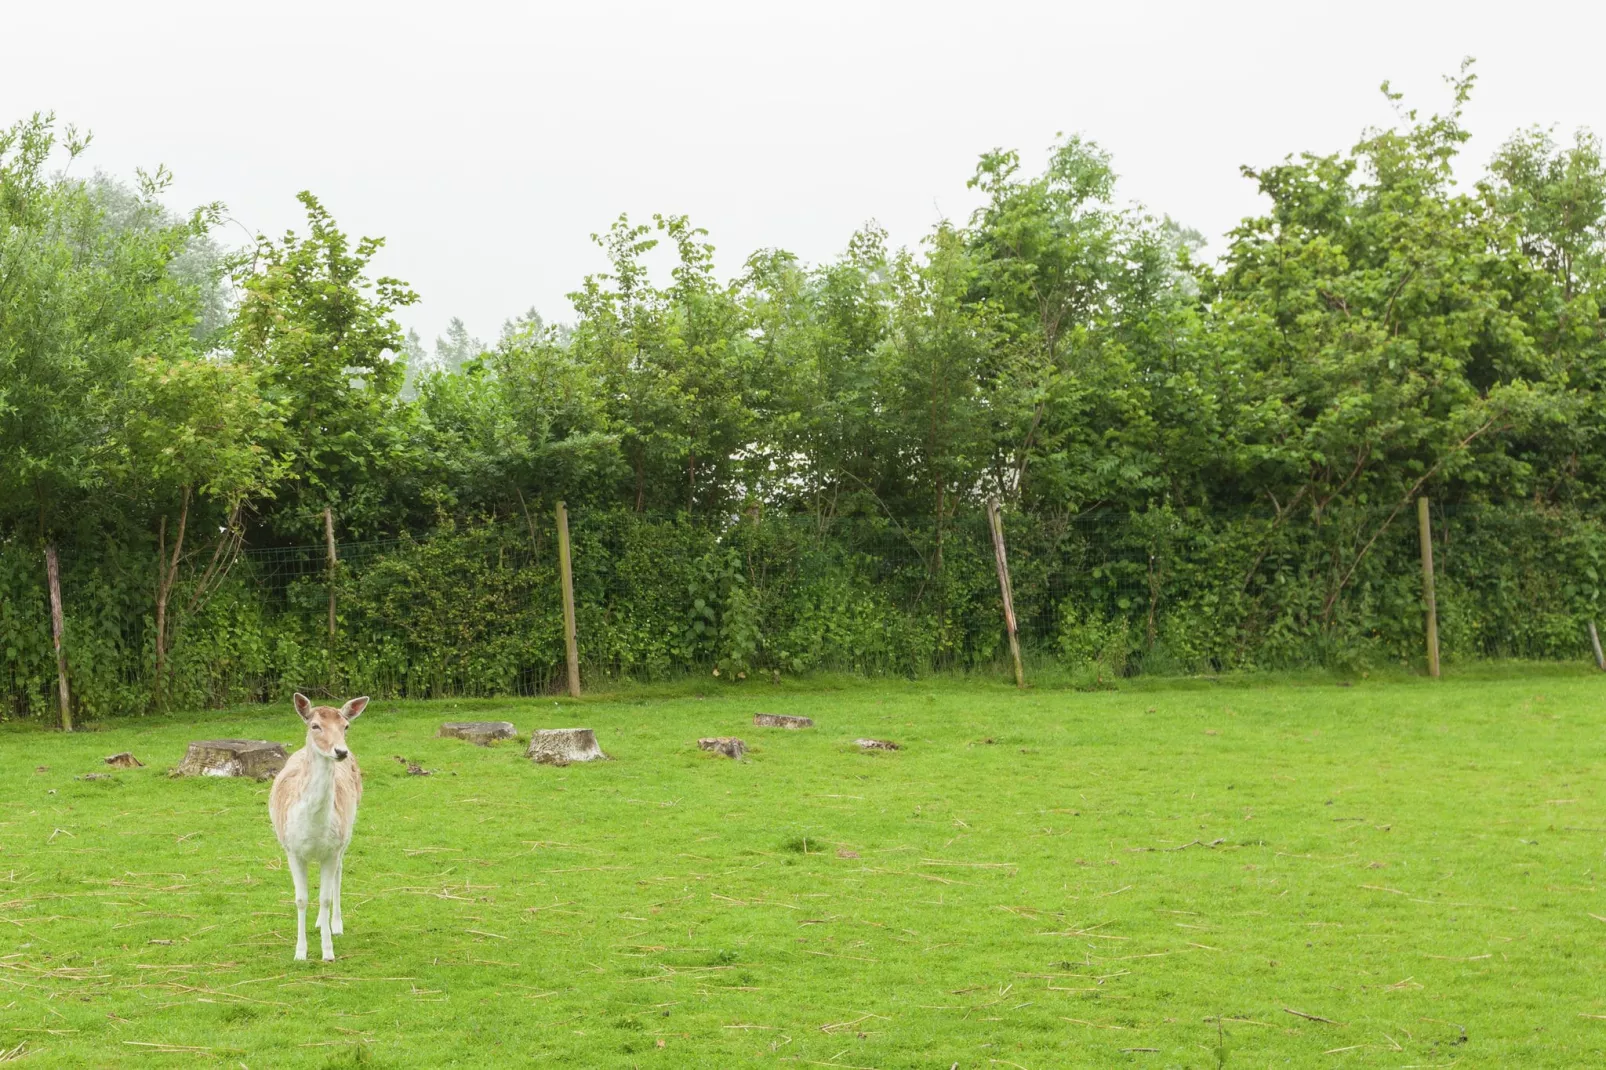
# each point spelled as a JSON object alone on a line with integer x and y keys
{"x": 1200, "y": 874}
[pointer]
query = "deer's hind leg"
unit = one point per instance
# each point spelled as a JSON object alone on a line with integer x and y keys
{"x": 336, "y": 925}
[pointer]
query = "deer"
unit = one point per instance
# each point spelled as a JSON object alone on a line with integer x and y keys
{"x": 313, "y": 805}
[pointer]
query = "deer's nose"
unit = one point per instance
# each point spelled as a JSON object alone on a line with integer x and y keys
{"x": 341, "y": 753}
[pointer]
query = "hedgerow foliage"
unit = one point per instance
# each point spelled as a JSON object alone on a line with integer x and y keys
{"x": 1202, "y": 466}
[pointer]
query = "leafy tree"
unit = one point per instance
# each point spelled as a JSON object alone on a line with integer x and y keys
{"x": 939, "y": 358}
{"x": 197, "y": 434}
{"x": 88, "y": 286}
{"x": 1552, "y": 198}
{"x": 521, "y": 425}
{"x": 1251, "y": 430}
{"x": 820, "y": 334}
{"x": 1555, "y": 196}
{"x": 675, "y": 367}
{"x": 326, "y": 346}
{"x": 1059, "y": 268}
{"x": 1378, "y": 327}
{"x": 457, "y": 348}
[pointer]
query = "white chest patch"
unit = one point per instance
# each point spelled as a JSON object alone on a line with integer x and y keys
{"x": 313, "y": 830}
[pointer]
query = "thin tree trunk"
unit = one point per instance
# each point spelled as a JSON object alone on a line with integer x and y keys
{"x": 638, "y": 464}
{"x": 995, "y": 523}
{"x": 1429, "y": 599}
{"x": 161, "y": 574}
{"x": 534, "y": 546}
{"x": 334, "y": 562}
{"x": 1026, "y": 448}
{"x": 164, "y": 591}
{"x": 571, "y": 648}
{"x": 223, "y": 557}
{"x": 1355, "y": 563}
{"x": 1154, "y": 601}
{"x": 53, "y": 574}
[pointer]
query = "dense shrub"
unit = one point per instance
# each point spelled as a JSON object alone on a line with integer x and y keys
{"x": 476, "y": 610}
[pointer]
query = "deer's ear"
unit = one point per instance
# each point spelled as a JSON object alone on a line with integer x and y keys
{"x": 303, "y": 706}
{"x": 353, "y": 707}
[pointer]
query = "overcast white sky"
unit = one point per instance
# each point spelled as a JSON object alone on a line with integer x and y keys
{"x": 486, "y": 142}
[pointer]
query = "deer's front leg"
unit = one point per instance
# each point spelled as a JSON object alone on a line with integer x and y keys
{"x": 326, "y": 896}
{"x": 298, "y": 875}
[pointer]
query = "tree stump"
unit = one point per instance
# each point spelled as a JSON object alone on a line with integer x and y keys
{"x": 125, "y": 760}
{"x": 876, "y": 744}
{"x": 233, "y": 757}
{"x": 782, "y": 720}
{"x": 560, "y": 746}
{"x": 480, "y": 733}
{"x": 729, "y": 746}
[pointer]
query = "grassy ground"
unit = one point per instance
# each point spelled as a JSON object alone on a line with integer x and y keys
{"x": 1206, "y": 874}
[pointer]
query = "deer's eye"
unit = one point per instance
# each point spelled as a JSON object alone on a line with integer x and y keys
{"x": 317, "y": 728}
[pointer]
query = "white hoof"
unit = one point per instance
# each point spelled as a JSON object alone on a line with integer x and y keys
{"x": 301, "y": 954}
{"x": 337, "y": 929}
{"x": 329, "y": 956}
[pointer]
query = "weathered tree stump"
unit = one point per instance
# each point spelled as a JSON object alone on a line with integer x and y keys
{"x": 729, "y": 746}
{"x": 233, "y": 757}
{"x": 876, "y": 744}
{"x": 480, "y": 733}
{"x": 560, "y": 746}
{"x": 125, "y": 760}
{"x": 782, "y": 720}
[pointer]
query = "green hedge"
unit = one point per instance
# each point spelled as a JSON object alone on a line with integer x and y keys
{"x": 475, "y": 610}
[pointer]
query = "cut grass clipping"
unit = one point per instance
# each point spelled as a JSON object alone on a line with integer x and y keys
{"x": 1203, "y": 875}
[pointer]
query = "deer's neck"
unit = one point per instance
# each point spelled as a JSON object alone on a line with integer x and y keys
{"x": 318, "y": 798}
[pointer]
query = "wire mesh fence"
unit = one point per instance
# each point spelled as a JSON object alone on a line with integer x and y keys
{"x": 477, "y": 610}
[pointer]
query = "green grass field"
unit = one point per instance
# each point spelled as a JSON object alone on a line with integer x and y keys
{"x": 1201, "y": 874}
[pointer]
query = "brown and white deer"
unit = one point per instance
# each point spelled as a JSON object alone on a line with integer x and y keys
{"x": 314, "y": 807}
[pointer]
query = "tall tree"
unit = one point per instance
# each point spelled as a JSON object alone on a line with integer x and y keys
{"x": 197, "y": 439}
{"x": 675, "y": 365}
{"x": 1379, "y": 331}
{"x": 1056, "y": 262}
{"x": 1552, "y": 198}
{"x": 327, "y": 346}
{"x": 938, "y": 360}
{"x": 87, "y": 287}
{"x": 819, "y": 336}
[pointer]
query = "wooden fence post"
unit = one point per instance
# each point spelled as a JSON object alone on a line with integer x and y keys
{"x": 334, "y": 562}
{"x": 996, "y": 523}
{"x": 1594, "y": 640}
{"x": 1425, "y": 532}
{"x": 53, "y": 575}
{"x": 566, "y": 574}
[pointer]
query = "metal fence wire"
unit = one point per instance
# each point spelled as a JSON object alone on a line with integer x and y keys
{"x": 477, "y": 610}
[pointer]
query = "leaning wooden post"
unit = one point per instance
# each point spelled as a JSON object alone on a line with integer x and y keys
{"x": 996, "y": 523}
{"x": 1425, "y": 531}
{"x": 53, "y": 575}
{"x": 566, "y": 574}
{"x": 1594, "y": 640}
{"x": 334, "y": 563}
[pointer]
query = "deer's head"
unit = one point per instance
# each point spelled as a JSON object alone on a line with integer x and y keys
{"x": 326, "y": 726}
